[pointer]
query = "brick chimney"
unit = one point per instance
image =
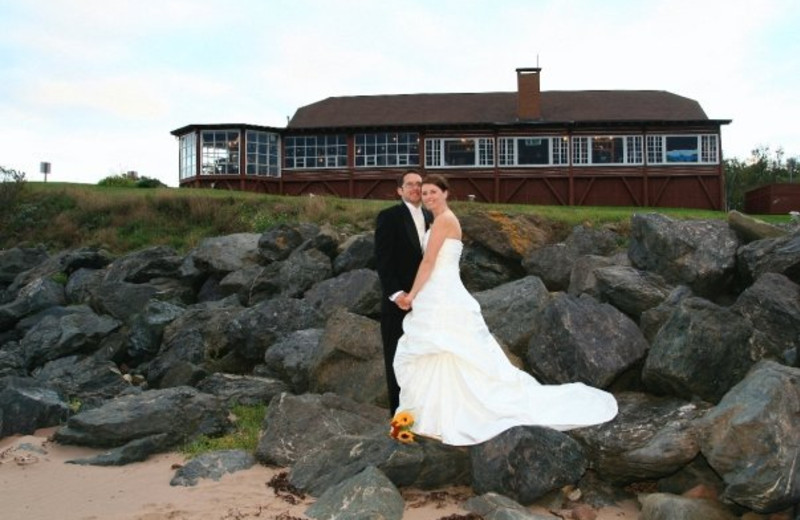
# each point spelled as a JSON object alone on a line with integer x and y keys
{"x": 529, "y": 97}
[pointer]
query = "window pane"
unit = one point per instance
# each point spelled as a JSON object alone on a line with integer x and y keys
{"x": 459, "y": 152}
{"x": 682, "y": 148}
{"x": 533, "y": 151}
{"x": 607, "y": 150}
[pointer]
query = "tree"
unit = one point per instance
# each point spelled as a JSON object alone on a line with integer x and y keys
{"x": 763, "y": 167}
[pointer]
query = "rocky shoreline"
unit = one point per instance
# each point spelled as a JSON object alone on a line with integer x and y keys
{"x": 693, "y": 325}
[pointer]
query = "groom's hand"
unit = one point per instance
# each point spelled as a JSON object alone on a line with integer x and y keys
{"x": 403, "y": 301}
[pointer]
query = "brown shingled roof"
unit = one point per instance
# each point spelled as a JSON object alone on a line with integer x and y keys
{"x": 495, "y": 108}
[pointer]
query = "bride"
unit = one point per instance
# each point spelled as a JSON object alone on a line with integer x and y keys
{"x": 454, "y": 378}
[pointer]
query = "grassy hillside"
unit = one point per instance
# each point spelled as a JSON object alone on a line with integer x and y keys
{"x": 63, "y": 216}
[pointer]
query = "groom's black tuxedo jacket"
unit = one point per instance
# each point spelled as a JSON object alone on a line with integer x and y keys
{"x": 397, "y": 248}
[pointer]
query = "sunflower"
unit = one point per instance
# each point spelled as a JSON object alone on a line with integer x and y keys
{"x": 403, "y": 420}
{"x": 405, "y": 437}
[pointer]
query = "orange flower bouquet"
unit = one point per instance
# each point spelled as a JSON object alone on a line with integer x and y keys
{"x": 401, "y": 427}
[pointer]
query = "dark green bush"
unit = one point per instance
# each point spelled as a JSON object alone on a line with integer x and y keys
{"x": 147, "y": 182}
{"x": 117, "y": 181}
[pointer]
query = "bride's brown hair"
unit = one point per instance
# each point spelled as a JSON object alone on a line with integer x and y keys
{"x": 437, "y": 180}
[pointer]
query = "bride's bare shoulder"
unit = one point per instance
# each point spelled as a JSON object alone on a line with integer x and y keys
{"x": 452, "y": 225}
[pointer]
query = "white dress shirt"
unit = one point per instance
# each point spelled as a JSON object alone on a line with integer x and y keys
{"x": 419, "y": 220}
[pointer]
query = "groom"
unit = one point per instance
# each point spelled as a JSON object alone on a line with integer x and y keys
{"x": 398, "y": 253}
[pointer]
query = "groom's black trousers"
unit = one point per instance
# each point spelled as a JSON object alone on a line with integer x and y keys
{"x": 391, "y": 330}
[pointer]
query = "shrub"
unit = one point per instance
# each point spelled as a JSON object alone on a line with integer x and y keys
{"x": 147, "y": 182}
{"x": 12, "y": 182}
{"x": 117, "y": 181}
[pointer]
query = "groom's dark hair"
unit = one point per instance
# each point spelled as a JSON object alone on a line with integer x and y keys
{"x": 402, "y": 177}
{"x": 437, "y": 180}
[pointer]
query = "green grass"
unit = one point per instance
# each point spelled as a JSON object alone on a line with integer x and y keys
{"x": 245, "y": 436}
{"x": 121, "y": 219}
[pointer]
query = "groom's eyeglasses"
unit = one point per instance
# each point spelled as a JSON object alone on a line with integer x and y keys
{"x": 412, "y": 184}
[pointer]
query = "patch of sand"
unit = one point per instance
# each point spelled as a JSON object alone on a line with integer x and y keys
{"x": 37, "y": 483}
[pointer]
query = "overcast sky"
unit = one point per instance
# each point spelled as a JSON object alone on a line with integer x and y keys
{"x": 95, "y": 86}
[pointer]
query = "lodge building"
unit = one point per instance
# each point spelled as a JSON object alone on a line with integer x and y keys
{"x": 592, "y": 148}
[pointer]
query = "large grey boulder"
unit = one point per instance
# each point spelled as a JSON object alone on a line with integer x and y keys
{"x": 37, "y": 295}
{"x": 182, "y": 412}
{"x": 697, "y": 253}
{"x": 212, "y": 465}
{"x": 296, "y": 424}
{"x": 252, "y": 331}
{"x": 770, "y": 255}
{"x": 85, "y": 258}
{"x": 663, "y": 506}
{"x": 650, "y": 438}
{"x": 145, "y": 265}
{"x": 494, "y": 506}
{"x": 27, "y": 405}
{"x": 357, "y": 252}
{"x": 16, "y": 260}
{"x": 291, "y": 358}
{"x": 349, "y": 360}
{"x": 751, "y": 437}
{"x": 47, "y": 267}
{"x": 482, "y": 269}
{"x": 630, "y": 290}
{"x": 79, "y": 330}
{"x": 146, "y": 329}
{"x": 582, "y": 278}
{"x": 278, "y": 242}
{"x": 509, "y": 311}
{"x": 218, "y": 256}
{"x": 654, "y": 318}
{"x": 772, "y": 305}
{"x": 423, "y": 464}
{"x": 12, "y": 362}
{"x": 526, "y": 462}
{"x": 82, "y": 284}
{"x": 245, "y": 283}
{"x": 136, "y": 450}
{"x": 122, "y": 300}
{"x": 581, "y": 339}
{"x": 288, "y": 278}
{"x": 749, "y": 228}
{"x": 553, "y": 263}
{"x": 367, "y": 495}
{"x": 89, "y": 379}
{"x": 701, "y": 351}
{"x": 194, "y": 344}
{"x": 509, "y": 236}
{"x": 233, "y": 389}
{"x": 358, "y": 291}
{"x": 323, "y": 238}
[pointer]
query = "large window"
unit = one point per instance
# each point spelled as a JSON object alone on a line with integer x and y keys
{"x": 387, "y": 149}
{"x": 532, "y": 151}
{"x": 187, "y": 156}
{"x": 220, "y": 152}
{"x": 459, "y": 152}
{"x": 262, "y": 154}
{"x": 679, "y": 149}
{"x": 600, "y": 150}
{"x": 315, "y": 151}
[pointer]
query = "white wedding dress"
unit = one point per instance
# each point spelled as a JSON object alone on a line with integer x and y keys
{"x": 458, "y": 384}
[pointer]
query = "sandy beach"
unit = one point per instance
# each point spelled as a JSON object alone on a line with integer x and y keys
{"x": 36, "y": 483}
